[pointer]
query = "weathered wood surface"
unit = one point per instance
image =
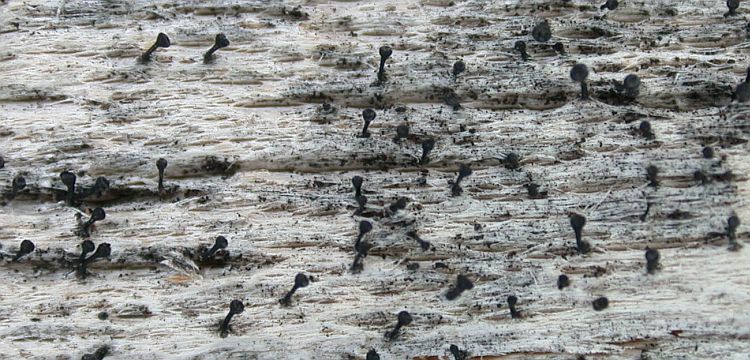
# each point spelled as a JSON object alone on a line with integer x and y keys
{"x": 252, "y": 157}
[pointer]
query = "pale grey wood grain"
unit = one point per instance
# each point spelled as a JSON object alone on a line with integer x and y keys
{"x": 254, "y": 158}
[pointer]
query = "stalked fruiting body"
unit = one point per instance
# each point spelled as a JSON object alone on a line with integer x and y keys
{"x": 579, "y": 73}
{"x": 220, "y": 42}
{"x": 162, "y": 41}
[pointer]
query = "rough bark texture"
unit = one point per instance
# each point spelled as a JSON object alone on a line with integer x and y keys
{"x": 254, "y": 157}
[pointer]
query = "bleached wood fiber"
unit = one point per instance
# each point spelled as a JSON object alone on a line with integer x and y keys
{"x": 254, "y": 158}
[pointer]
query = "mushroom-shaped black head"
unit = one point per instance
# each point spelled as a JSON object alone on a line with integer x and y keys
{"x": 708, "y": 152}
{"x": 103, "y": 251}
{"x": 87, "y": 246}
{"x": 357, "y": 182}
{"x": 512, "y": 300}
{"x": 101, "y": 183}
{"x": 161, "y": 164}
{"x": 400, "y": 204}
{"x": 562, "y": 281}
{"x": 98, "y": 214}
{"x": 365, "y": 227}
{"x": 559, "y": 47}
{"x": 577, "y": 221}
{"x": 26, "y": 247}
{"x": 301, "y": 280}
{"x": 733, "y": 4}
{"x": 512, "y": 161}
{"x": 402, "y": 131}
{"x": 221, "y": 41}
{"x": 464, "y": 171}
{"x": 631, "y": 82}
{"x": 453, "y": 349}
{"x": 221, "y": 242}
{"x": 542, "y": 32}
{"x": 368, "y": 115}
{"x": 520, "y": 45}
{"x": 236, "y": 307}
{"x": 645, "y": 127}
{"x": 600, "y": 303}
{"x": 19, "y": 182}
{"x": 162, "y": 40}
{"x": 404, "y": 318}
{"x": 463, "y": 282}
{"x": 385, "y": 52}
{"x": 579, "y": 72}
{"x": 610, "y": 5}
{"x": 68, "y": 178}
{"x": 458, "y": 67}
{"x": 652, "y": 255}
{"x": 372, "y": 355}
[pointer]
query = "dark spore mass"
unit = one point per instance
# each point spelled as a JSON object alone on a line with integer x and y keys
{"x": 385, "y": 53}
{"x": 708, "y": 152}
{"x": 162, "y": 40}
{"x": 220, "y": 42}
{"x": 26, "y": 248}
{"x": 520, "y": 46}
{"x": 427, "y": 146}
{"x": 99, "y": 354}
{"x": 652, "y": 260}
{"x": 600, "y": 303}
{"x": 357, "y": 184}
{"x": 579, "y": 73}
{"x": 104, "y": 250}
{"x": 97, "y": 214}
{"x": 732, "y": 5}
{"x": 610, "y": 5}
{"x": 402, "y": 132}
{"x": 542, "y": 32}
{"x": 563, "y": 281}
{"x": 364, "y": 227}
{"x": 462, "y": 284}
{"x": 400, "y": 204}
{"x": 372, "y": 355}
{"x": 458, "y": 67}
{"x": 645, "y": 130}
{"x": 404, "y": 319}
{"x": 220, "y": 243}
{"x": 512, "y": 301}
{"x": 463, "y": 171}
{"x": 300, "y": 280}
{"x": 368, "y": 115}
{"x": 631, "y": 84}
{"x": 559, "y": 48}
{"x": 235, "y": 307}
{"x": 69, "y": 180}
{"x": 457, "y": 353}
{"x": 512, "y": 161}
{"x": 577, "y": 222}
{"x": 161, "y": 164}
{"x": 19, "y": 183}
